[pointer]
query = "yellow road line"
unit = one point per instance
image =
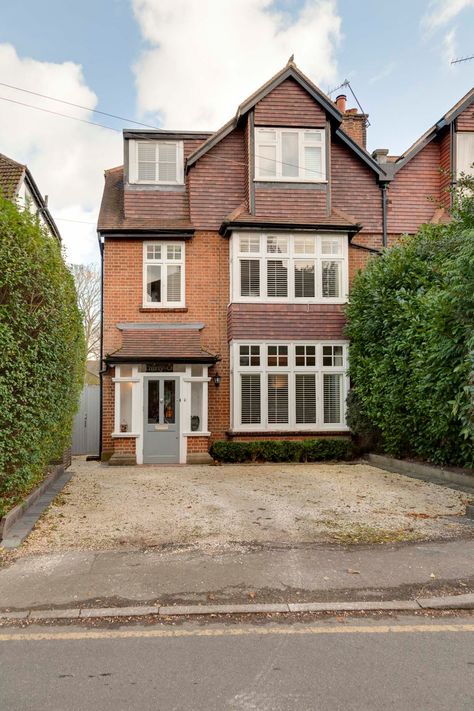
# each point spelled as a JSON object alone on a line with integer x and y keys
{"x": 233, "y": 632}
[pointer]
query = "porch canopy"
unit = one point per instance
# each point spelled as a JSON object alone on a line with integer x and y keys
{"x": 151, "y": 342}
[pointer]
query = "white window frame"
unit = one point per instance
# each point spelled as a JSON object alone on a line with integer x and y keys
{"x": 464, "y": 145}
{"x": 301, "y": 177}
{"x": 291, "y": 257}
{"x": 133, "y": 163}
{"x": 291, "y": 370}
{"x": 164, "y": 262}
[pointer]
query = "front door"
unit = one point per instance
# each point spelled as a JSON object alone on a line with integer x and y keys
{"x": 161, "y": 420}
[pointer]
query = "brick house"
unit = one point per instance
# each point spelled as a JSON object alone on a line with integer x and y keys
{"x": 227, "y": 260}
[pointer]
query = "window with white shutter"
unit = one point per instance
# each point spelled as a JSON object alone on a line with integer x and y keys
{"x": 290, "y": 154}
{"x": 278, "y": 398}
{"x": 163, "y": 274}
{"x": 156, "y": 162}
{"x": 305, "y": 395}
{"x": 332, "y": 394}
{"x": 289, "y": 386}
{"x": 250, "y": 399}
{"x": 465, "y": 152}
{"x": 289, "y": 268}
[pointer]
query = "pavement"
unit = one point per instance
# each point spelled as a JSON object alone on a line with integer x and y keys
{"x": 360, "y": 665}
{"x": 238, "y": 575}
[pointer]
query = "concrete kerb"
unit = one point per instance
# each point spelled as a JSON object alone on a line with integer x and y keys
{"x": 449, "y": 602}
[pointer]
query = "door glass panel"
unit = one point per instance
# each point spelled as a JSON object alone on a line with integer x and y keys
{"x": 153, "y": 402}
{"x": 169, "y": 401}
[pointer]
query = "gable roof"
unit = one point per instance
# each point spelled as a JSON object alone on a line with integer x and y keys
{"x": 11, "y": 175}
{"x": 290, "y": 71}
{"x": 433, "y": 131}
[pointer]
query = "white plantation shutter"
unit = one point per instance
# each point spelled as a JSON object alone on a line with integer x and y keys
{"x": 312, "y": 162}
{"x": 332, "y": 390}
{"x": 465, "y": 152}
{"x": 249, "y": 277}
{"x": 331, "y": 279}
{"x": 305, "y": 389}
{"x": 173, "y": 286}
{"x": 167, "y": 160}
{"x": 304, "y": 279}
{"x": 278, "y": 399}
{"x": 146, "y": 160}
{"x": 277, "y": 278}
{"x": 250, "y": 399}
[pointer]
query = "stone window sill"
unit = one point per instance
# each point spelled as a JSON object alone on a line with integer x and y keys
{"x": 117, "y": 435}
{"x": 165, "y": 309}
{"x": 197, "y": 434}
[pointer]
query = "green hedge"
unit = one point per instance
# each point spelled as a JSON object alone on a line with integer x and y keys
{"x": 411, "y": 325}
{"x": 41, "y": 352}
{"x": 310, "y": 450}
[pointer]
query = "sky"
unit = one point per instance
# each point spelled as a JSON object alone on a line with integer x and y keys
{"x": 187, "y": 64}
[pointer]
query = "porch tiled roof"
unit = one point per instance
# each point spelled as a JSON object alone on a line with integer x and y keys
{"x": 172, "y": 345}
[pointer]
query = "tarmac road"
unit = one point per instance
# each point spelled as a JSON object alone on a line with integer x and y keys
{"x": 360, "y": 664}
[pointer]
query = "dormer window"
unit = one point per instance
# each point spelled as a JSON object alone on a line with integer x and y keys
{"x": 290, "y": 155}
{"x": 156, "y": 162}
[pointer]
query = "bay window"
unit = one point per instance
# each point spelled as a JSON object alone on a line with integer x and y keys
{"x": 290, "y": 154}
{"x": 289, "y": 386}
{"x": 163, "y": 274}
{"x": 289, "y": 268}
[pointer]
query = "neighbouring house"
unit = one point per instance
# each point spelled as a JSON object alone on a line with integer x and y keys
{"x": 227, "y": 261}
{"x": 17, "y": 183}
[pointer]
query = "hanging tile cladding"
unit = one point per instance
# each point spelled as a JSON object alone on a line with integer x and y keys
{"x": 445, "y": 163}
{"x": 217, "y": 182}
{"x": 465, "y": 121}
{"x": 289, "y": 105}
{"x": 354, "y": 187}
{"x": 299, "y": 205}
{"x": 285, "y": 321}
{"x": 413, "y": 191}
{"x": 159, "y": 204}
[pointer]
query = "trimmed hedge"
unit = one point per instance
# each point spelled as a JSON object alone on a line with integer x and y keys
{"x": 42, "y": 352}
{"x": 309, "y": 450}
{"x": 411, "y": 327}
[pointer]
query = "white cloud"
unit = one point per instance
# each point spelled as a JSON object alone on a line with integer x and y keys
{"x": 442, "y": 12}
{"x": 383, "y": 73}
{"x": 67, "y": 158}
{"x": 449, "y": 46}
{"x": 206, "y": 57}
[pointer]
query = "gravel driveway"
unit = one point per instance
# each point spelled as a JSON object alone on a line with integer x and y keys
{"x": 110, "y": 507}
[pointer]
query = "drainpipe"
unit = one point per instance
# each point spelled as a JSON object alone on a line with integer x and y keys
{"x": 383, "y": 188}
{"x": 101, "y": 371}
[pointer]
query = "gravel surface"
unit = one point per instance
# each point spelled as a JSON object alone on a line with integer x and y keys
{"x": 137, "y": 507}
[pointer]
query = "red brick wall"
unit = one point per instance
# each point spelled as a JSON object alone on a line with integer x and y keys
{"x": 293, "y": 203}
{"x": 217, "y": 182}
{"x": 354, "y": 187}
{"x": 124, "y": 445}
{"x": 289, "y": 105}
{"x": 465, "y": 121}
{"x": 415, "y": 191}
{"x": 198, "y": 444}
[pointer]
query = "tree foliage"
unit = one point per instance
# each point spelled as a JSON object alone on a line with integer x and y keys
{"x": 41, "y": 351}
{"x": 87, "y": 280}
{"x": 411, "y": 325}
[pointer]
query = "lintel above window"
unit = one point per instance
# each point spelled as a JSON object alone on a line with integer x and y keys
{"x": 156, "y": 162}
{"x": 290, "y": 155}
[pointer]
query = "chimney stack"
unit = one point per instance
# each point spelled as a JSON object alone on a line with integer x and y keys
{"x": 354, "y": 124}
{"x": 341, "y": 103}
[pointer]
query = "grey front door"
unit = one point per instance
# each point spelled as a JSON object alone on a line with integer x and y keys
{"x": 161, "y": 420}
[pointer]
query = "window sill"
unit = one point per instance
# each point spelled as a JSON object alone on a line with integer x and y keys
{"x": 163, "y": 309}
{"x": 289, "y": 181}
{"x": 341, "y": 430}
{"x": 196, "y": 434}
{"x": 118, "y": 435}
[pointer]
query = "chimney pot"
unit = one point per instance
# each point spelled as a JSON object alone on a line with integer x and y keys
{"x": 380, "y": 155}
{"x": 341, "y": 103}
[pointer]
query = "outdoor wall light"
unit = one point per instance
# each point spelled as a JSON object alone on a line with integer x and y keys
{"x": 217, "y": 379}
